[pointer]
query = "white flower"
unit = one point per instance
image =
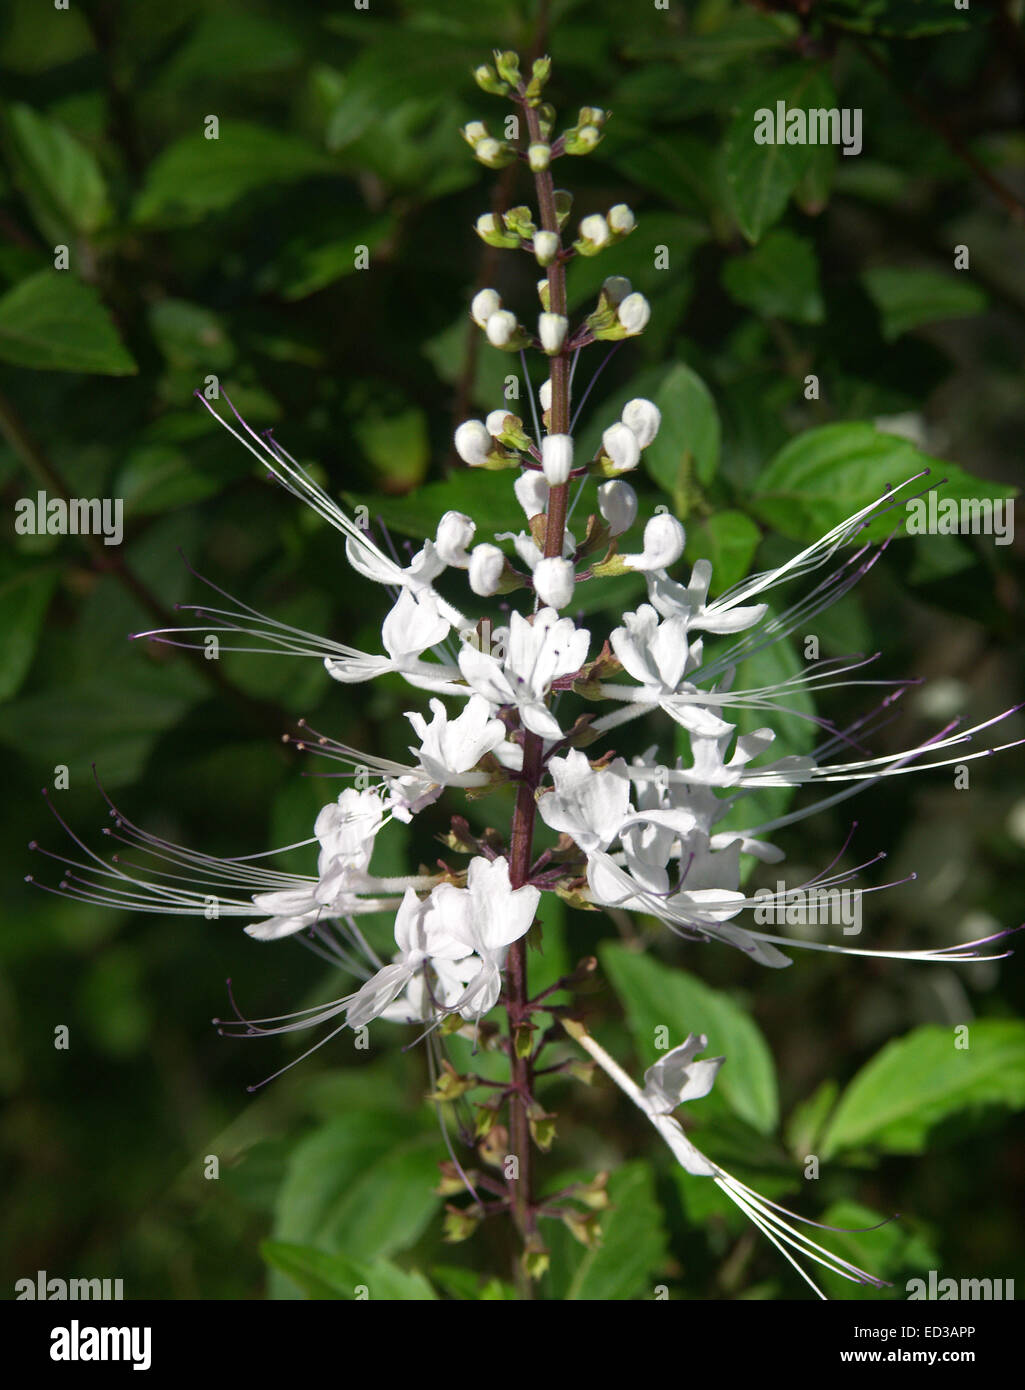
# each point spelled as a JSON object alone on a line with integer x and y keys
{"x": 487, "y": 563}
{"x": 484, "y": 302}
{"x": 664, "y": 539}
{"x": 539, "y": 652}
{"x": 414, "y": 625}
{"x": 346, "y": 830}
{"x": 556, "y": 458}
{"x": 544, "y": 394}
{"x": 677, "y": 1077}
{"x": 620, "y": 444}
{"x": 552, "y": 329}
{"x": 672, "y": 599}
{"x": 595, "y": 230}
{"x": 654, "y": 653}
{"x": 531, "y": 489}
{"x": 634, "y": 313}
{"x": 482, "y": 919}
{"x": 644, "y": 418}
{"x": 589, "y": 804}
{"x": 473, "y": 443}
{"x": 546, "y": 247}
{"x": 455, "y": 532}
{"x": 617, "y": 503}
{"x": 554, "y": 581}
{"x": 419, "y": 942}
{"x": 449, "y": 748}
{"x": 501, "y": 327}
{"x": 621, "y": 219}
{"x": 495, "y": 423}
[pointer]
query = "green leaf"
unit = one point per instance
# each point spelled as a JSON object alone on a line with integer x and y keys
{"x": 805, "y": 1123}
{"x": 689, "y": 436}
{"x": 59, "y": 178}
{"x": 632, "y": 1249}
{"x": 361, "y": 1186}
{"x": 196, "y": 176}
{"x": 761, "y": 178}
{"x": 907, "y": 296}
{"x": 657, "y": 996}
{"x": 778, "y": 279}
{"x": 729, "y": 540}
{"x": 826, "y": 474}
{"x": 24, "y": 598}
{"x": 320, "y": 1275}
{"x": 919, "y": 1080}
{"x": 189, "y": 335}
{"x": 900, "y": 18}
{"x": 54, "y": 323}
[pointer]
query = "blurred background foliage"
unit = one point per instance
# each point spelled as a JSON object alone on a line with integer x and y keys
{"x": 189, "y": 258}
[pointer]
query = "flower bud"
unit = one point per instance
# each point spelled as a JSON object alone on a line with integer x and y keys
{"x": 544, "y": 293}
{"x": 539, "y": 156}
{"x": 594, "y": 234}
{"x": 557, "y": 458}
{"x": 474, "y": 132}
{"x": 617, "y": 503}
{"x": 621, "y": 219}
{"x": 582, "y": 140}
{"x": 552, "y": 329}
{"x": 487, "y": 80}
{"x": 616, "y": 288}
{"x": 490, "y": 230}
{"x": 473, "y": 443}
{"x": 501, "y": 327}
{"x": 487, "y": 563}
{"x": 508, "y": 65}
{"x": 553, "y": 582}
{"x": 546, "y": 248}
{"x": 483, "y": 305}
{"x": 545, "y": 394}
{"x": 634, "y": 313}
{"x": 495, "y": 423}
{"x": 644, "y": 418}
{"x": 494, "y": 154}
{"x": 454, "y": 534}
{"x": 531, "y": 489}
{"x": 664, "y": 539}
{"x": 620, "y": 444}
{"x": 563, "y": 200}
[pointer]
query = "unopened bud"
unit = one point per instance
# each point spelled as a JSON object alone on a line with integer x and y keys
{"x": 483, "y": 305}
{"x": 554, "y": 581}
{"x": 488, "y": 80}
{"x": 501, "y": 328}
{"x": 557, "y": 458}
{"x": 594, "y": 234}
{"x": 620, "y": 444}
{"x": 531, "y": 489}
{"x": 474, "y": 132}
{"x": 473, "y": 443}
{"x": 539, "y": 156}
{"x": 617, "y": 503}
{"x": 664, "y": 539}
{"x": 487, "y": 563}
{"x": 621, "y": 219}
{"x": 552, "y": 329}
{"x": 545, "y": 394}
{"x": 644, "y": 418}
{"x": 454, "y": 534}
{"x": 494, "y": 154}
{"x": 634, "y": 313}
{"x": 546, "y": 248}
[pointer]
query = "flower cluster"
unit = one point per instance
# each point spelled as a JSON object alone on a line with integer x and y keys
{"x": 525, "y": 701}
